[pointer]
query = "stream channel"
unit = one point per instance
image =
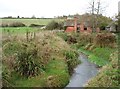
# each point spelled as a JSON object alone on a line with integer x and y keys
{"x": 83, "y": 72}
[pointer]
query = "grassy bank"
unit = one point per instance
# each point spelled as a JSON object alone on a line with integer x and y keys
{"x": 99, "y": 56}
{"x": 108, "y": 75}
{"x": 45, "y": 61}
{"x": 97, "y": 49}
{"x": 103, "y": 52}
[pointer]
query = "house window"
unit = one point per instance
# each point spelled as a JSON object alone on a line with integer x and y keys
{"x": 85, "y": 28}
{"x": 78, "y": 29}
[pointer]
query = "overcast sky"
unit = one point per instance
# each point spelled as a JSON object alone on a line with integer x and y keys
{"x": 51, "y": 8}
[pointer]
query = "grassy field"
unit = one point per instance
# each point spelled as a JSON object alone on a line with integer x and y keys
{"x": 27, "y": 22}
{"x": 18, "y": 30}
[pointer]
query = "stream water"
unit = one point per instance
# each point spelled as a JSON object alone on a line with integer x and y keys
{"x": 83, "y": 72}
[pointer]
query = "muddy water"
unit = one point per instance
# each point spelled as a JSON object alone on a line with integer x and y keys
{"x": 83, "y": 72}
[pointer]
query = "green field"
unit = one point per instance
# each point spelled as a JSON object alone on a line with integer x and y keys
{"x": 18, "y": 30}
{"x": 27, "y": 22}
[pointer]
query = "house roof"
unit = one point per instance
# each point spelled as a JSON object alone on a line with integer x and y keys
{"x": 69, "y": 22}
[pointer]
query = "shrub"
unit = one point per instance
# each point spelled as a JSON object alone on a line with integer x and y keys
{"x": 52, "y": 25}
{"x": 17, "y": 24}
{"x": 103, "y": 25}
{"x": 84, "y": 38}
{"x": 71, "y": 39}
{"x": 6, "y": 77}
{"x": 28, "y": 62}
{"x": 72, "y": 60}
{"x": 52, "y": 81}
{"x": 35, "y": 25}
{"x": 63, "y": 35}
{"x": 4, "y": 25}
{"x": 60, "y": 25}
{"x": 105, "y": 40}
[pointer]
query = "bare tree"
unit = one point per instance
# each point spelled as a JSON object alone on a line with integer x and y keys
{"x": 96, "y": 8}
{"x": 92, "y": 9}
{"x": 98, "y": 11}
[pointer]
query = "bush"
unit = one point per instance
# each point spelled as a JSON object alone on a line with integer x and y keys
{"x": 105, "y": 40}
{"x": 72, "y": 60}
{"x": 84, "y": 38}
{"x": 63, "y": 35}
{"x": 35, "y": 25}
{"x": 4, "y": 25}
{"x": 60, "y": 25}
{"x": 17, "y": 24}
{"x": 54, "y": 25}
{"x": 28, "y": 62}
{"x": 6, "y": 77}
{"x": 71, "y": 39}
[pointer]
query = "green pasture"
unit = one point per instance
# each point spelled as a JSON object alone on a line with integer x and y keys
{"x": 18, "y": 30}
{"x": 27, "y": 22}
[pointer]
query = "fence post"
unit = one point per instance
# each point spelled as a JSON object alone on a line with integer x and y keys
{"x": 27, "y": 37}
{"x": 34, "y": 35}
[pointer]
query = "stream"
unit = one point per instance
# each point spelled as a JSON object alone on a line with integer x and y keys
{"x": 83, "y": 72}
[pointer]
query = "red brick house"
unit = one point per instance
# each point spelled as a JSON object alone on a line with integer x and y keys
{"x": 73, "y": 25}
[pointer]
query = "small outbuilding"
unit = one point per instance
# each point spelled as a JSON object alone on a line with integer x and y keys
{"x": 112, "y": 27}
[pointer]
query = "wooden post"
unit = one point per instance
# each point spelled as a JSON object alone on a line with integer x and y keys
{"x": 34, "y": 35}
{"x": 27, "y": 37}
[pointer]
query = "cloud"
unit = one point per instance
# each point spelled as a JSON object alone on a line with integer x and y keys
{"x": 50, "y": 8}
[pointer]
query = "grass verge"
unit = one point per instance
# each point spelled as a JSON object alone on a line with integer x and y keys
{"x": 99, "y": 56}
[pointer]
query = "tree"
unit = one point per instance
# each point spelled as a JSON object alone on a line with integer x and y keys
{"x": 52, "y": 25}
{"x": 55, "y": 25}
{"x": 95, "y": 10}
{"x": 33, "y": 17}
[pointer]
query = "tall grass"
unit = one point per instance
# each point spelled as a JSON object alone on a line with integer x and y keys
{"x": 98, "y": 46}
{"x": 47, "y": 51}
{"x": 108, "y": 75}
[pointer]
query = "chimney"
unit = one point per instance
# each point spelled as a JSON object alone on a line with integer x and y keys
{"x": 75, "y": 24}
